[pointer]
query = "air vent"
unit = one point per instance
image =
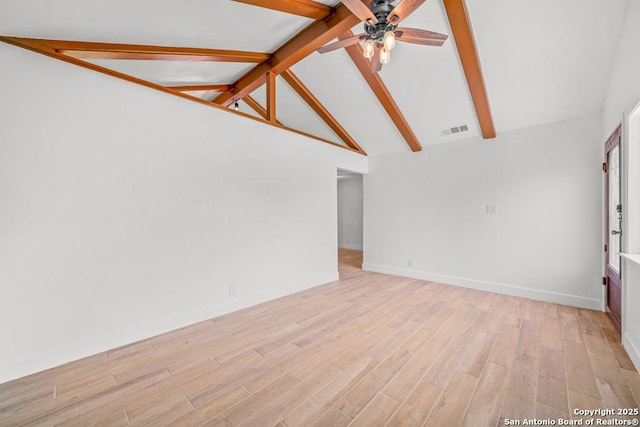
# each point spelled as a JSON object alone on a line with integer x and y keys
{"x": 454, "y": 130}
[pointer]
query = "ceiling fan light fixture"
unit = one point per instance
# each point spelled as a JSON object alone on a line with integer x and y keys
{"x": 389, "y": 40}
{"x": 236, "y": 106}
{"x": 369, "y": 49}
{"x": 385, "y": 55}
{"x": 381, "y": 32}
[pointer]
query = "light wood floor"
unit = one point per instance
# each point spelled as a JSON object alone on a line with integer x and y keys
{"x": 368, "y": 350}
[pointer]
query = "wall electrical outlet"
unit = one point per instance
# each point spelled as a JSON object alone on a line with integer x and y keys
{"x": 410, "y": 263}
{"x": 492, "y": 209}
{"x": 232, "y": 290}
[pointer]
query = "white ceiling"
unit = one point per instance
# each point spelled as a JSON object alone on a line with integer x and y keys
{"x": 543, "y": 60}
{"x": 546, "y": 60}
{"x": 178, "y": 73}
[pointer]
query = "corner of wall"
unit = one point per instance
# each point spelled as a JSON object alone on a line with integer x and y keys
{"x": 633, "y": 350}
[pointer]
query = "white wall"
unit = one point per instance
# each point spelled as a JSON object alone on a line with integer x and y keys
{"x": 624, "y": 85}
{"x": 631, "y": 314}
{"x": 127, "y": 212}
{"x": 545, "y": 240}
{"x": 350, "y": 211}
{"x": 631, "y": 238}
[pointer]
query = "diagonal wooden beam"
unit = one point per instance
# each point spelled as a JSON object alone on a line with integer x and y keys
{"x": 306, "y": 8}
{"x": 255, "y": 105}
{"x": 320, "y": 109}
{"x": 197, "y": 88}
{"x": 271, "y": 97}
{"x": 382, "y": 93}
{"x": 299, "y": 47}
{"x": 91, "y": 50}
{"x": 463, "y": 35}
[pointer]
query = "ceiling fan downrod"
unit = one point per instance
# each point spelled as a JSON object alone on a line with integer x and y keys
{"x": 381, "y": 9}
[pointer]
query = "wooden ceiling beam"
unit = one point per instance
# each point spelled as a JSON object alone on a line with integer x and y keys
{"x": 200, "y": 88}
{"x": 271, "y": 97}
{"x": 313, "y": 102}
{"x": 465, "y": 42}
{"x": 306, "y": 8}
{"x": 382, "y": 93}
{"x": 91, "y": 50}
{"x": 255, "y": 106}
{"x": 299, "y": 47}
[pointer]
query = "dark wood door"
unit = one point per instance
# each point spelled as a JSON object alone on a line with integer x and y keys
{"x": 613, "y": 229}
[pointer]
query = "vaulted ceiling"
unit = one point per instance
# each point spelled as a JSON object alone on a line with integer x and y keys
{"x": 542, "y": 61}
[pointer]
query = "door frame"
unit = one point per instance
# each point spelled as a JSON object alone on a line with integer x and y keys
{"x": 342, "y": 173}
{"x": 614, "y": 139}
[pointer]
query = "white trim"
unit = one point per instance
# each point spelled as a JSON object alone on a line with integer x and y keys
{"x": 350, "y": 246}
{"x": 632, "y": 351}
{"x": 634, "y": 258}
{"x": 501, "y": 288}
{"x": 13, "y": 369}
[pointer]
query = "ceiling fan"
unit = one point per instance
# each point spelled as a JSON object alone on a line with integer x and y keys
{"x": 381, "y": 30}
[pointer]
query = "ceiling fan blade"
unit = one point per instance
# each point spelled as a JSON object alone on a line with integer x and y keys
{"x": 376, "y": 65}
{"x": 413, "y": 35}
{"x": 343, "y": 43}
{"x": 360, "y": 10}
{"x": 404, "y": 9}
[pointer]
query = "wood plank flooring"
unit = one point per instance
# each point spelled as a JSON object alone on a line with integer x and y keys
{"x": 368, "y": 350}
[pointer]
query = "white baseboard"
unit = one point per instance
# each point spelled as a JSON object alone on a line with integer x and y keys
{"x": 30, "y": 364}
{"x": 33, "y": 363}
{"x": 350, "y": 246}
{"x": 501, "y": 288}
{"x": 633, "y": 350}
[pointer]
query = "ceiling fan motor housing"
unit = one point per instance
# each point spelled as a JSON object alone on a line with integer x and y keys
{"x": 381, "y": 9}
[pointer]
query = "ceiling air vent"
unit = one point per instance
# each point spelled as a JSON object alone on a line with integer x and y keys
{"x": 454, "y": 130}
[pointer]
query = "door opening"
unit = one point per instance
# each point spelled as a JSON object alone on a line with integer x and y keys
{"x": 350, "y": 222}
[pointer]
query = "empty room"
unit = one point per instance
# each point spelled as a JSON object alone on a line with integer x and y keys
{"x": 319, "y": 213}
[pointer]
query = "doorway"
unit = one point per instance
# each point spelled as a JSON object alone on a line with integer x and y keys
{"x": 350, "y": 223}
{"x": 613, "y": 228}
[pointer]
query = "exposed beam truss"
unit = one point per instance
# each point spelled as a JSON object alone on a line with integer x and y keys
{"x": 91, "y": 50}
{"x": 299, "y": 47}
{"x": 382, "y": 93}
{"x": 306, "y": 8}
{"x": 271, "y": 97}
{"x": 45, "y": 47}
{"x": 200, "y": 88}
{"x": 463, "y": 35}
{"x": 320, "y": 110}
{"x": 330, "y": 23}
